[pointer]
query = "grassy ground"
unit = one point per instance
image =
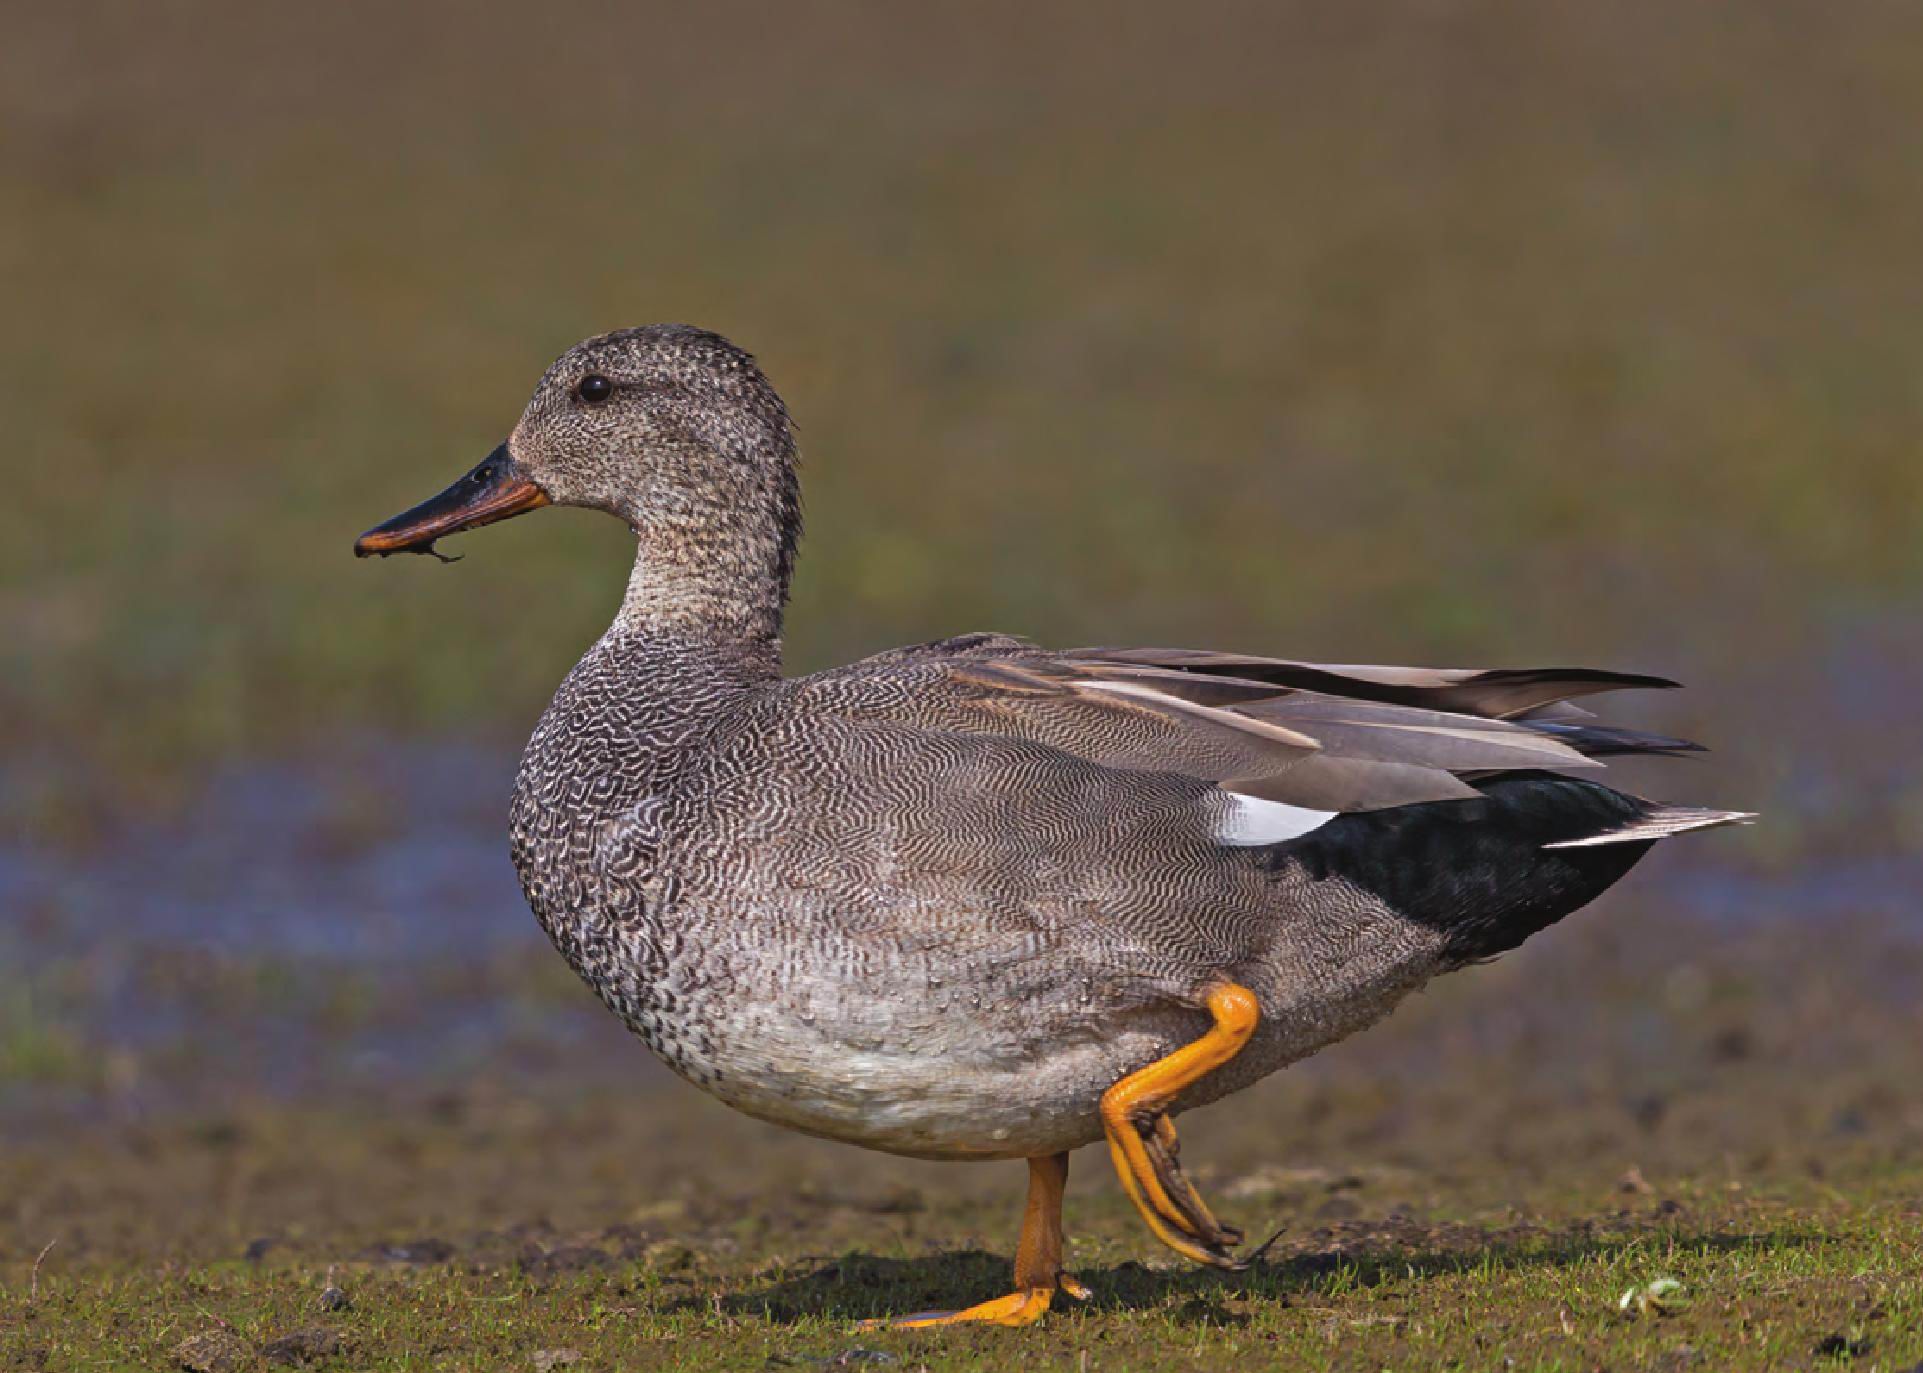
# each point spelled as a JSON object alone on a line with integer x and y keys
{"x": 635, "y": 1239}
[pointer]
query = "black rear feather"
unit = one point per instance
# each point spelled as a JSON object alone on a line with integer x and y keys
{"x": 1476, "y": 870}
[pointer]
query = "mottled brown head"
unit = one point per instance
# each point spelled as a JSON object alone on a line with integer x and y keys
{"x": 676, "y": 431}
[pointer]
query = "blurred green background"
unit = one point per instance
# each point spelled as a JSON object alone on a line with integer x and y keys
{"x": 1514, "y": 333}
{"x": 1465, "y": 334}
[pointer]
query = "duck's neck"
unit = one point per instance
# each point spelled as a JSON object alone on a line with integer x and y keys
{"x": 712, "y": 565}
{"x": 715, "y": 534}
{"x": 702, "y": 611}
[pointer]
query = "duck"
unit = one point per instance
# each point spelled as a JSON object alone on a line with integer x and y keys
{"x": 976, "y": 899}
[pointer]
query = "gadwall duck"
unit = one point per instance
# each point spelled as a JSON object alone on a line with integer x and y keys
{"x": 977, "y": 899}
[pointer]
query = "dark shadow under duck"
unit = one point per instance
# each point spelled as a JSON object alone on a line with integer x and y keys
{"x": 976, "y": 899}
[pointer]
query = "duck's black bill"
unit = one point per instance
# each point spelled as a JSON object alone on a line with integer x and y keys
{"x": 494, "y": 491}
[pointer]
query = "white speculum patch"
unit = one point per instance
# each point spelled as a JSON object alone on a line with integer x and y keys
{"x": 1250, "y": 821}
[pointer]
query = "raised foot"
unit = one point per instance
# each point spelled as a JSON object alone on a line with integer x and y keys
{"x": 1017, "y": 1308}
{"x": 1142, "y": 1142}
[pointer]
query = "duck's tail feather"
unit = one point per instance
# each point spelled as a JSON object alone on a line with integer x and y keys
{"x": 1488, "y": 873}
{"x": 1659, "y": 822}
{"x": 1609, "y": 741}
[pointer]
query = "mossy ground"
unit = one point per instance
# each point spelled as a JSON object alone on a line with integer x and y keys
{"x": 660, "y": 1233}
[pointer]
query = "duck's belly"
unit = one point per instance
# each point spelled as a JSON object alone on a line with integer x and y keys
{"x": 926, "y": 1078}
{"x": 907, "y": 1100}
{"x": 933, "y": 1076}
{"x": 928, "y": 1096}
{"x": 991, "y": 1044}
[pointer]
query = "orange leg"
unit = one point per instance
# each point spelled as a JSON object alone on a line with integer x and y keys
{"x": 1141, "y": 1138}
{"x": 1038, "y": 1259}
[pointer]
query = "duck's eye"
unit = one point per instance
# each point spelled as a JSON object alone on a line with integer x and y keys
{"x": 594, "y": 388}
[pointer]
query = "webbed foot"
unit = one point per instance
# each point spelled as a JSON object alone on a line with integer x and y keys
{"x": 1142, "y": 1141}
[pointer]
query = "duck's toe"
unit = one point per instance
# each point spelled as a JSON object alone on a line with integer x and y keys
{"x": 1175, "y": 1213}
{"x": 1164, "y": 1151}
{"x": 1023, "y": 1307}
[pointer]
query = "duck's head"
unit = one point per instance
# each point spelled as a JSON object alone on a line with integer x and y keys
{"x": 671, "y": 428}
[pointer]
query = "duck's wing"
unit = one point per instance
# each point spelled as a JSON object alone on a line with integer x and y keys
{"x": 1033, "y": 697}
{"x": 1314, "y": 737}
{"x": 1493, "y": 693}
